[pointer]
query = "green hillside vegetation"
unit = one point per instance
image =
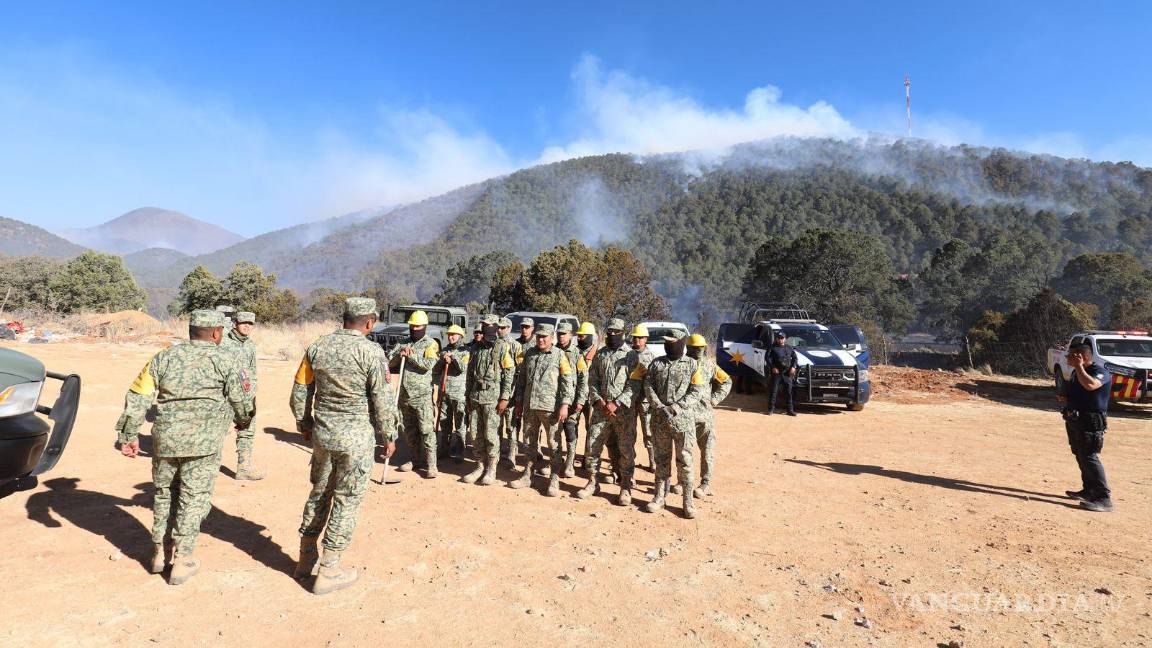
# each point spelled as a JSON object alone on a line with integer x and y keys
{"x": 22, "y": 239}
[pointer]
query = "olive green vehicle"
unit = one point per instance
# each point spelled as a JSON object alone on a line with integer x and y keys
{"x": 32, "y": 436}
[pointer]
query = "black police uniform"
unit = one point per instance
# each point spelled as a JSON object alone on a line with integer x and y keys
{"x": 783, "y": 358}
{"x": 1086, "y": 419}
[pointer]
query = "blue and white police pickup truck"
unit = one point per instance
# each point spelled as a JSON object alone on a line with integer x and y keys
{"x": 829, "y": 370}
{"x": 1127, "y": 355}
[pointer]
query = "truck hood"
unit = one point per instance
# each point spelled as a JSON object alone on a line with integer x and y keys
{"x": 17, "y": 368}
{"x": 1127, "y": 361}
{"x": 825, "y": 357}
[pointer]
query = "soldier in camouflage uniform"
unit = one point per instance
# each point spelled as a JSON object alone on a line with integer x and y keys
{"x": 545, "y": 386}
{"x": 417, "y": 409}
{"x": 238, "y": 341}
{"x": 719, "y": 384}
{"x": 571, "y": 424}
{"x": 488, "y": 389}
{"x": 509, "y": 429}
{"x": 614, "y": 378}
{"x": 454, "y": 361}
{"x": 643, "y": 412}
{"x": 227, "y": 312}
{"x": 674, "y": 385}
{"x": 199, "y": 389}
{"x": 341, "y": 400}
{"x": 586, "y": 342}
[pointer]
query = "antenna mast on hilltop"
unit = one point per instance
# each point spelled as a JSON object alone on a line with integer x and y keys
{"x": 908, "y": 102}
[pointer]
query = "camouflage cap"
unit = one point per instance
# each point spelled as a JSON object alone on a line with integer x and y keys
{"x": 225, "y": 308}
{"x": 675, "y": 335}
{"x": 479, "y": 328}
{"x": 359, "y": 306}
{"x": 503, "y": 322}
{"x": 544, "y": 330}
{"x": 245, "y": 317}
{"x": 564, "y": 327}
{"x": 527, "y": 321}
{"x": 206, "y": 319}
{"x": 615, "y": 324}
{"x": 495, "y": 321}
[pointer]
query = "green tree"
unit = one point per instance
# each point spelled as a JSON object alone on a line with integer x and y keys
{"x": 507, "y": 289}
{"x": 1104, "y": 279}
{"x": 1022, "y": 341}
{"x": 471, "y": 279}
{"x": 1129, "y": 314}
{"x": 247, "y": 288}
{"x": 199, "y": 289}
{"x": 29, "y": 279}
{"x": 96, "y": 282}
{"x": 326, "y": 304}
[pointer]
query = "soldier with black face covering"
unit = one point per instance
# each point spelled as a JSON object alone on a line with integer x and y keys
{"x": 487, "y": 391}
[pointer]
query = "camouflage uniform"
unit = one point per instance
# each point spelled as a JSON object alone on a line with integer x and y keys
{"x": 572, "y": 423}
{"x": 342, "y": 398}
{"x": 452, "y": 404}
{"x": 245, "y": 350}
{"x": 673, "y": 387}
{"x": 720, "y": 384}
{"x": 226, "y": 312}
{"x": 643, "y": 411}
{"x": 545, "y": 382}
{"x": 489, "y": 380}
{"x": 417, "y": 409}
{"x": 509, "y": 429}
{"x": 199, "y": 389}
{"x": 616, "y": 376}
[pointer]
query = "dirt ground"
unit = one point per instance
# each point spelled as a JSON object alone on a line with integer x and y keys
{"x": 936, "y": 515}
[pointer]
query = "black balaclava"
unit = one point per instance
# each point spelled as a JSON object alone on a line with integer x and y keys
{"x": 583, "y": 342}
{"x": 695, "y": 352}
{"x": 675, "y": 350}
{"x": 614, "y": 339}
{"x": 417, "y": 334}
{"x": 490, "y": 333}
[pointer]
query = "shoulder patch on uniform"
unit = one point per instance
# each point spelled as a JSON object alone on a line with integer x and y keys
{"x": 581, "y": 364}
{"x": 639, "y": 372}
{"x": 698, "y": 377}
{"x": 304, "y": 375}
{"x": 144, "y": 384}
{"x": 565, "y": 366}
{"x": 721, "y": 376}
{"x": 519, "y": 357}
{"x": 464, "y": 357}
{"x": 506, "y": 361}
{"x": 431, "y": 351}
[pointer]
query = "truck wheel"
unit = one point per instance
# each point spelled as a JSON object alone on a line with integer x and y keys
{"x": 855, "y": 407}
{"x": 1059, "y": 379}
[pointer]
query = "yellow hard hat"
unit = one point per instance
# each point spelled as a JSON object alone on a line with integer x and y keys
{"x": 418, "y": 318}
{"x": 586, "y": 328}
{"x": 697, "y": 340}
{"x": 639, "y": 331}
{"x": 455, "y": 330}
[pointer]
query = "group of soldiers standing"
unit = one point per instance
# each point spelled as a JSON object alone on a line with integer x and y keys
{"x": 495, "y": 391}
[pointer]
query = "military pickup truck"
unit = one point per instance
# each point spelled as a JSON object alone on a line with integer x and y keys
{"x": 1127, "y": 355}
{"x": 392, "y": 329}
{"x": 29, "y": 446}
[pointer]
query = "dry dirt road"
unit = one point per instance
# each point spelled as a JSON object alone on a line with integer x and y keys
{"x": 937, "y": 517}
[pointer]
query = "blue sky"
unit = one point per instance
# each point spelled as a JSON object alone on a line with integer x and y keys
{"x": 259, "y": 115}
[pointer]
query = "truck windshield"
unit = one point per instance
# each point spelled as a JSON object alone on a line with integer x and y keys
{"x": 1128, "y": 348}
{"x": 811, "y": 338}
{"x": 538, "y": 320}
{"x": 656, "y": 334}
{"x": 435, "y": 317}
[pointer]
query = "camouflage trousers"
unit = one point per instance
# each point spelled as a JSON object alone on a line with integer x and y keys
{"x": 245, "y": 438}
{"x": 572, "y": 427}
{"x": 451, "y": 419}
{"x": 485, "y": 424}
{"x": 618, "y": 433}
{"x": 190, "y": 481}
{"x": 417, "y": 424}
{"x": 706, "y": 441}
{"x": 339, "y": 480}
{"x": 644, "y": 418}
{"x": 509, "y": 428}
{"x": 674, "y": 438}
{"x": 535, "y": 422}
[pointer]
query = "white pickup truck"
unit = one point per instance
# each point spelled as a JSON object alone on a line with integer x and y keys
{"x": 1127, "y": 355}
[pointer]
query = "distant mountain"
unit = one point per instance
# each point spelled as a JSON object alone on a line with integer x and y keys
{"x": 22, "y": 239}
{"x": 151, "y": 227}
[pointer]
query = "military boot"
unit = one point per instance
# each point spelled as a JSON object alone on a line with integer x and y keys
{"x": 471, "y": 477}
{"x": 244, "y": 468}
{"x": 431, "y": 472}
{"x": 702, "y": 491}
{"x": 184, "y": 566}
{"x": 590, "y": 488}
{"x": 489, "y": 472}
{"x": 675, "y": 489}
{"x": 308, "y": 557}
{"x": 657, "y": 503}
{"x": 525, "y": 479}
{"x": 159, "y": 559}
{"x": 331, "y": 577}
{"x": 689, "y": 504}
{"x": 553, "y": 485}
{"x": 569, "y": 461}
{"x": 625, "y": 497}
{"x": 407, "y": 466}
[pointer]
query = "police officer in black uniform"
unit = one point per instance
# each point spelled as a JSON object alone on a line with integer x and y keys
{"x": 1085, "y": 412}
{"x": 781, "y": 363}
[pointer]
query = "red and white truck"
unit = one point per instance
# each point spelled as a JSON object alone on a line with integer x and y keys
{"x": 1127, "y": 355}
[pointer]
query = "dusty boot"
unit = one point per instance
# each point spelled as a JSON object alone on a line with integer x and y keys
{"x": 489, "y": 472}
{"x": 159, "y": 560}
{"x": 657, "y": 503}
{"x": 331, "y": 577}
{"x": 569, "y": 461}
{"x": 471, "y": 477}
{"x": 625, "y": 497}
{"x": 183, "y": 568}
{"x": 590, "y": 488}
{"x": 610, "y": 478}
{"x": 675, "y": 489}
{"x": 245, "y": 469}
{"x": 702, "y": 491}
{"x": 525, "y": 478}
{"x": 308, "y": 557}
{"x": 407, "y": 466}
{"x": 431, "y": 472}
{"x": 553, "y": 485}
{"x": 689, "y": 505}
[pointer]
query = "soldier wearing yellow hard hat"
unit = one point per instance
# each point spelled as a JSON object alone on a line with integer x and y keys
{"x": 586, "y": 343}
{"x": 643, "y": 412}
{"x": 719, "y": 384}
{"x": 414, "y": 360}
{"x": 450, "y": 374}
